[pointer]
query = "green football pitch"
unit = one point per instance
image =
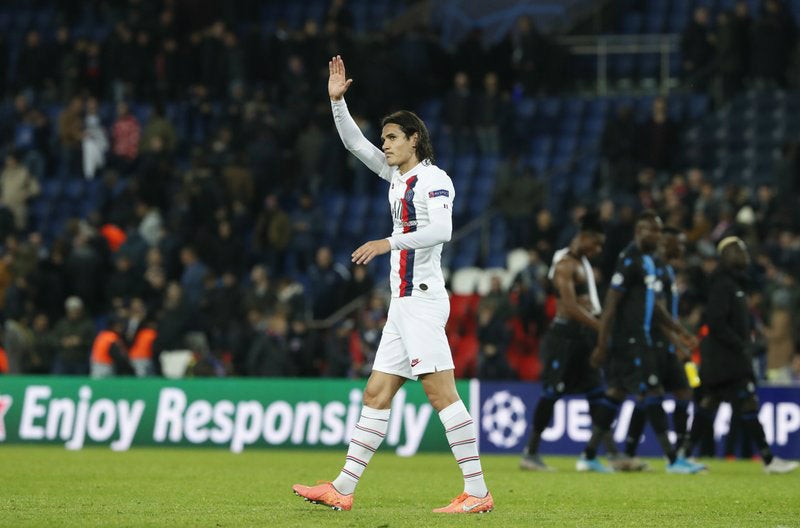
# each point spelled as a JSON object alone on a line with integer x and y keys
{"x": 48, "y": 486}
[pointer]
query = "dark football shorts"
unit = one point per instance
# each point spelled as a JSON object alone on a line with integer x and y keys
{"x": 565, "y": 353}
{"x": 673, "y": 375}
{"x": 633, "y": 368}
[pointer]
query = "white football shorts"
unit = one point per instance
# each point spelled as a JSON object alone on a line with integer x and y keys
{"x": 413, "y": 340}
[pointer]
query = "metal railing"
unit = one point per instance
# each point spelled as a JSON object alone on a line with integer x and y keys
{"x": 602, "y": 46}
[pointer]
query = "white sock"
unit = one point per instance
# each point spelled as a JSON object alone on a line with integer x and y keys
{"x": 367, "y": 437}
{"x": 461, "y": 436}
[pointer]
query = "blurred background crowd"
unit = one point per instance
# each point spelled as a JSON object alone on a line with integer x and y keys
{"x": 175, "y": 200}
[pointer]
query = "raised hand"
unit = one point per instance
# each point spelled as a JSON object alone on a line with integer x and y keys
{"x": 338, "y": 83}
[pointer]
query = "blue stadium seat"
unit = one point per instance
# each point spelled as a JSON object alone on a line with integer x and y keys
{"x": 631, "y": 23}
{"x": 570, "y": 125}
{"x": 621, "y": 66}
{"x": 654, "y": 23}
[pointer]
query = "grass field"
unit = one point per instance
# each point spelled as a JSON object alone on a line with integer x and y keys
{"x": 48, "y": 486}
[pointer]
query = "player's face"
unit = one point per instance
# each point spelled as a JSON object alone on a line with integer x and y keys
{"x": 648, "y": 233}
{"x": 737, "y": 257}
{"x": 592, "y": 244}
{"x": 673, "y": 245}
{"x": 398, "y": 148}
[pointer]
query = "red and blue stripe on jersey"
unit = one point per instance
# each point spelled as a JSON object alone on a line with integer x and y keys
{"x": 409, "y": 225}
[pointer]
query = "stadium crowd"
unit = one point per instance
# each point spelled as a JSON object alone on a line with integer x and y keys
{"x": 203, "y": 239}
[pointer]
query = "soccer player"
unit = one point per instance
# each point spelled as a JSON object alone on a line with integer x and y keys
{"x": 629, "y": 314}
{"x": 413, "y": 345}
{"x": 726, "y": 370}
{"x": 568, "y": 344}
{"x": 670, "y": 357}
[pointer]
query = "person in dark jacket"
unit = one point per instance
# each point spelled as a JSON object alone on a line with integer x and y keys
{"x": 726, "y": 370}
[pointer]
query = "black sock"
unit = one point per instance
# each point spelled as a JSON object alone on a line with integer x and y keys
{"x": 605, "y": 413}
{"x": 756, "y": 431}
{"x": 635, "y": 429}
{"x": 541, "y": 418}
{"x": 679, "y": 420}
{"x": 702, "y": 422}
{"x": 658, "y": 421}
{"x": 594, "y": 397}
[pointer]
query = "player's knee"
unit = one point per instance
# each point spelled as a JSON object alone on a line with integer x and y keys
{"x": 615, "y": 394}
{"x": 377, "y": 398}
{"x": 750, "y": 404}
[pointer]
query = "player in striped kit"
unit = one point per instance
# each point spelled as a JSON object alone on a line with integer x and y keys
{"x": 413, "y": 345}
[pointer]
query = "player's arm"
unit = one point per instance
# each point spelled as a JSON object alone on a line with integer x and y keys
{"x": 437, "y": 232}
{"x": 673, "y": 329}
{"x": 564, "y": 280}
{"x": 600, "y": 352}
{"x": 351, "y": 135}
{"x": 439, "y": 202}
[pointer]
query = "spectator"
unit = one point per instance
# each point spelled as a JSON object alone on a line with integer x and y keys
{"x": 258, "y": 295}
{"x": 269, "y": 353}
{"x": 125, "y": 133}
{"x": 618, "y": 145}
{"x": 272, "y": 234}
{"x": 458, "y": 115}
{"x": 306, "y": 221}
{"x": 194, "y": 273}
{"x": 774, "y": 35}
{"x": 73, "y": 338}
{"x": 658, "y": 138}
{"x": 516, "y": 193}
{"x": 70, "y": 136}
{"x": 17, "y": 187}
{"x": 174, "y": 321}
{"x": 491, "y": 116}
{"x": 494, "y": 338}
{"x": 109, "y": 352}
{"x": 327, "y": 281}
{"x": 95, "y": 140}
{"x": 697, "y": 48}
{"x": 161, "y": 127}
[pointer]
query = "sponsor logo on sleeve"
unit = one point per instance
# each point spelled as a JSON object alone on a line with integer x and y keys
{"x": 440, "y": 192}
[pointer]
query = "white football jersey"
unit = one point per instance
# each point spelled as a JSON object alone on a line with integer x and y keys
{"x": 412, "y": 197}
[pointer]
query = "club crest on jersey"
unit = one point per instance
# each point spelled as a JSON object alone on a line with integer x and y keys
{"x": 409, "y": 197}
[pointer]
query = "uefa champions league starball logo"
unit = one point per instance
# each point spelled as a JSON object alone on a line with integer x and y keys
{"x": 503, "y": 419}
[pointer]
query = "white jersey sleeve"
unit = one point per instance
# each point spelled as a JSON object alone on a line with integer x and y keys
{"x": 355, "y": 142}
{"x": 438, "y": 193}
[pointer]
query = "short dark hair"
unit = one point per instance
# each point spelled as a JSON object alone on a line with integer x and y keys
{"x": 590, "y": 223}
{"x": 409, "y": 122}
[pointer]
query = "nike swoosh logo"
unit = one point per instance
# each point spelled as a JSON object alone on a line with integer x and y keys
{"x": 472, "y": 507}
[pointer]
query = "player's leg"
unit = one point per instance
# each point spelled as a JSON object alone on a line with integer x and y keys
{"x": 422, "y": 328}
{"x": 542, "y": 415}
{"x": 370, "y": 429}
{"x": 628, "y": 461}
{"x": 680, "y": 417}
{"x": 440, "y": 387}
{"x": 606, "y": 410}
{"x": 554, "y": 360}
{"x": 390, "y": 370}
{"x": 703, "y": 420}
{"x": 747, "y": 406}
